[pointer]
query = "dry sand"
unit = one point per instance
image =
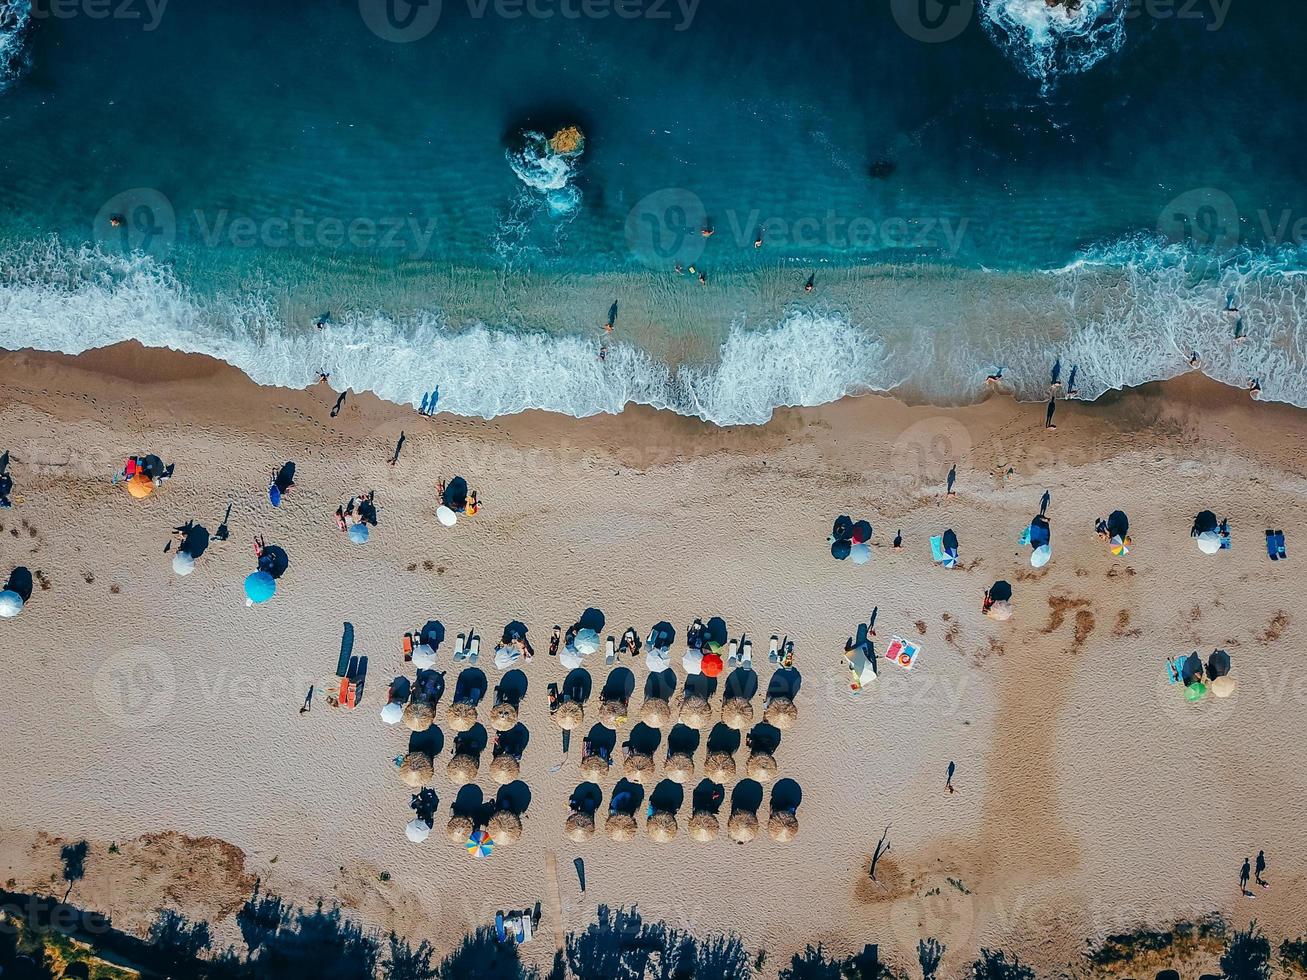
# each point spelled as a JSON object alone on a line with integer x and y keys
{"x": 162, "y": 714}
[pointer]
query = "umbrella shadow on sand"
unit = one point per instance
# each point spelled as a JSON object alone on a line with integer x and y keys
{"x": 197, "y": 540}
{"x": 430, "y": 685}
{"x": 470, "y": 687}
{"x": 511, "y": 688}
{"x": 723, "y": 738}
{"x": 587, "y": 798}
{"x": 682, "y": 739}
{"x": 708, "y": 796}
{"x": 578, "y": 686}
{"x": 619, "y": 686}
{"x": 661, "y": 684}
{"x": 741, "y": 683}
{"x": 591, "y": 619}
{"x": 700, "y": 686}
{"x": 785, "y": 683}
{"x": 400, "y": 688}
{"x": 513, "y": 742}
{"x": 471, "y": 742}
{"x": 764, "y": 738}
{"x": 274, "y": 561}
{"x": 471, "y": 802}
{"x": 433, "y": 634}
{"x": 627, "y": 797}
{"x": 602, "y": 740}
{"x": 431, "y": 741}
{"x": 20, "y": 581}
{"x": 643, "y": 739}
{"x": 667, "y": 796}
{"x": 514, "y": 797}
{"x": 747, "y": 795}
{"x": 786, "y": 795}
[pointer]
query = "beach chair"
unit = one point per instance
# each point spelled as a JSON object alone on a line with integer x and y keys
{"x": 610, "y": 651}
{"x": 774, "y": 651}
{"x": 746, "y": 654}
{"x": 473, "y": 648}
{"x": 732, "y": 653}
{"x": 460, "y": 647}
{"x": 1279, "y": 546}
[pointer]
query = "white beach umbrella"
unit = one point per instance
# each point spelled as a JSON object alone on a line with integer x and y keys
{"x": 657, "y": 659}
{"x": 586, "y": 642}
{"x": 569, "y": 659}
{"x": 424, "y": 656}
{"x": 417, "y": 830}
{"x": 1040, "y": 556}
{"x": 693, "y": 661}
{"x": 860, "y": 554}
{"x": 505, "y": 657}
{"x": 183, "y": 563}
{"x": 392, "y": 712}
{"x": 11, "y": 604}
{"x": 446, "y": 516}
{"x": 1000, "y": 611}
{"x": 1209, "y": 542}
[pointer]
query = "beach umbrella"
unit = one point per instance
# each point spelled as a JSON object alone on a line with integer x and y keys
{"x": 418, "y": 716}
{"x": 661, "y": 827}
{"x": 416, "y": 769}
{"x": 743, "y": 826}
{"x": 693, "y": 662}
{"x": 712, "y": 665}
{"x": 580, "y": 827}
{"x": 392, "y": 712}
{"x": 462, "y": 768}
{"x": 861, "y": 534}
{"x": 761, "y": 766}
{"x": 696, "y": 712}
{"x": 1119, "y": 546}
{"x": 569, "y": 659}
{"x": 843, "y": 527}
{"x": 594, "y": 766}
{"x": 657, "y": 659}
{"x": 183, "y": 563}
{"x": 358, "y": 533}
{"x": 1223, "y": 686}
{"x": 621, "y": 827}
{"x": 1040, "y": 556}
{"x": 503, "y": 716}
{"x": 719, "y": 767}
{"x": 1000, "y": 611}
{"x": 1195, "y": 691}
{"x": 783, "y": 826}
{"x": 506, "y": 656}
{"x": 950, "y": 560}
{"x": 737, "y": 713}
{"x": 274, "y": 495}
{"x": 424, "y": 656}
{"x": 781, "y": 713}
{"x": 639, "y": 767}
{"x": 140, "y": 486}
{"x": 505, "y": 827}
{"x": 459, "y": 829}
{"x": 461, "y": 716}
{"x": 860, "y": 554}
{"x": 11, "y": 603}
{"x": 704, "y": 826}
{"x": 612, "y": 713}
{"x": 656, "y": 712}
{"x": 504, "y": 769}
{"x": 1209, "y": 542}
{"x": 679, "y": 767}
{"x": 569, "y": 715}
{"x": 839, "y": 550}
{"x": 480, "y": 844}
{"x": 417, "y": 830}
{"x": 586, "y": 642}
{"x": 446, "y": 516}
{"x": 259, "y": 588}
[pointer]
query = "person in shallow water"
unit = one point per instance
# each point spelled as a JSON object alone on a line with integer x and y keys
{"x": 811, "y": 283}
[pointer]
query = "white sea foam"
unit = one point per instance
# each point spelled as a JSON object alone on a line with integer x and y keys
{"x": 543, "y": 169}
{"x": 1050, "y": 42}
{"x": 15, "y": 18}
{"x": 1122, "y": 315}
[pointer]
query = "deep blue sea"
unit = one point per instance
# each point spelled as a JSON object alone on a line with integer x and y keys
{"x": 971, "y": 185}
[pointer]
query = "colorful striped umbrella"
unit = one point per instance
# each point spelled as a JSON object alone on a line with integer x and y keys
{"x": 480, "y": 844}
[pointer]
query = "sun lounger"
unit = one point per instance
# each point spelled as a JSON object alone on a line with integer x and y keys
{"x": 746, "y": 654}
{"x": 460, "y": 647}
{"x": 473, "y": 649}
{"x": 1272, "y": 551}
{"x": 1279, "y": 546}
{"x": 732, "y": 653}
{"x": 610, "y": 651}
{"x": 774, "y": 651}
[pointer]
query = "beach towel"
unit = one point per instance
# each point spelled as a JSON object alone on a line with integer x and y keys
{"x": 901, "y": 652}
{"x": 937, "y": 548}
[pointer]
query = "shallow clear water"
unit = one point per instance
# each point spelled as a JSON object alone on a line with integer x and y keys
{"x": 1095, "y": 188}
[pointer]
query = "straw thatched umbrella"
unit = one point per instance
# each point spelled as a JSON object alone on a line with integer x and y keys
{"x": 783, "y": 826}
{"x": 418, "y": 716}
{"x": 612, "y": 712}
{"x": 656, "y": 712}
{"x": 762, "y": 766}
{"x": 505, "y": 827}
{"x": 737, "y": 713}
{"x": 621, "y": 827}
{"x": 661, "y": 827}
{"x": 743, "y": 826}
{"x": 679, "y": 767}
{"x": 719, "y": 767}
{"x": 704, "y": 826}
{"x": 569, "y": 715}
{"x": 459, "y": 829}
{"x": 594, "y": 766}
{"x": 503, "y": 716}
{"x": 781, "y": 713}
{"x": 416, "y": 769}
{"x": 461, "y": 716}
{"x": 580, "y": 827}
{"x": 696, "y": 712}
{"x": 462, "y": 769}
{"x": 504, "y": 768}
{"x": 639, "y": 767}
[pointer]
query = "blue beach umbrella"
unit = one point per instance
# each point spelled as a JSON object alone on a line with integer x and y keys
{"x": 358, "y": 533}
{"x": 274, "y": 495}
{"x": 259, "y": 588}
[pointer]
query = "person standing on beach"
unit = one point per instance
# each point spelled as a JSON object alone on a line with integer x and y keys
{"x": 1243, "y": 879}
{"x": 1261, "y": 866}
{"x": 1048, "y": 417}
{"x": 948, "y": 778}
{"x": 952, "y": 478}
{"x": 898, "y": 540}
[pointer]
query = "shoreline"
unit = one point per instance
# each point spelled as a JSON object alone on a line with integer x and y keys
{"x": 649, "y": 515}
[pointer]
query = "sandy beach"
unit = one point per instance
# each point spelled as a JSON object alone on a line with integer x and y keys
{"x": 161, "y": 715}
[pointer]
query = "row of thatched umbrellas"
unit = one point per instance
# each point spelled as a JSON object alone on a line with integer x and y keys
{"x": 720, "y": 767}
{"x": 661, "y": 826}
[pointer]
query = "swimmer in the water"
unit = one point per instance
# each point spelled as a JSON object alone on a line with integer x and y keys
{"x": 811, "y": 283}
{"x": 995, "y": 378}
{"x": 757, "y": 242}
{"x": 708, "y": 230}
{"x": 116, "y": 220}
{"x": 1194, "y": 359}
{"x": 679, "y": 269}
{"x": 322, "y": 320}
{"x": 1239, "y": 335}
{"x": 703, "y": 279}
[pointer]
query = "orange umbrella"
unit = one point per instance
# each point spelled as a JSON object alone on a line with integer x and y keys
{"x": 140, "y": 485}
{"x": 712, "y": 665}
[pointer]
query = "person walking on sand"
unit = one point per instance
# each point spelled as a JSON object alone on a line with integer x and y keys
{"x": 898, "y": 540}
{"x": 948, "y": 778}
{"x": 1044, "y": 501}
{"x": 1244, "y": 873}
{"x": 398, "y": 448}
{"x": 1261, "y": 866}
{"x": 952, "y": 479}
{"x": 308, "y": 701}
{"x": 1048, "y": 416}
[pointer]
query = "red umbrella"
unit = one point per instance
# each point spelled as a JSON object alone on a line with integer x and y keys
{"x": 712, "y": 665}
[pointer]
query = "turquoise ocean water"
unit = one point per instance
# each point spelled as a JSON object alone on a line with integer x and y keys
{"x": 972, "y": 185}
